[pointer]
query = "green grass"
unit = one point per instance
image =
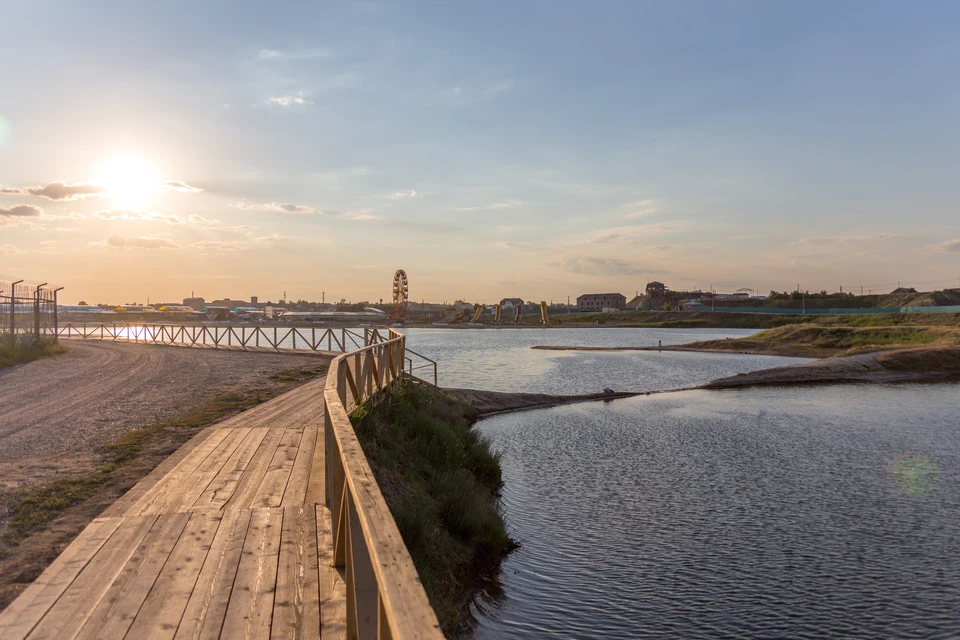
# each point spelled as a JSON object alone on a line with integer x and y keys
{"x": 442, "y": 482}
{"x": 14, "y": 353}
{"x": 299, "y": 375}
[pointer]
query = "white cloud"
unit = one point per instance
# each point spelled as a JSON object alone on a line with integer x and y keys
{"x": 277, "y": 206}
{"x": 288, "y": 101}
{"x": 293, "y": 54}
{"x": 633, "y": 233}
{"x": 10, "y": 250}
{"x": 950, "y": 246}
{"x": 133, "y": 214}
{"x": 274, "y": 237}
{"x": 216, "y": 246}
{"x": 407, "y": 194}
{"x": 138, "y": 242}
{"x": 509, "y": 204}
{"x": 845, "y": 239}
{"x": 183, "y": 187}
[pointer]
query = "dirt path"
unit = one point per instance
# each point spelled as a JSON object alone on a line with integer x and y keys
{"x": 57, "y": 413}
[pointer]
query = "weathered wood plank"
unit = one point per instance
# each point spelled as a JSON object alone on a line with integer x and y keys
{"x": 333, "y": 591}
{"x": 246, "y": 491}
{"x": 182, "y": 498}
{"x": 86, "y": 591}
{"x": 270, "y": 492}
{"x": 180, "y": 472}
{"x": 160, "y": 615}
{"x": 119, "y": 606}
{"x": 250, "y": 611}
{"x": 203, "y": 617}
{"x": 296, "y": 491}
{"x": 221, "y": 488}
{"x": 19, "y": 619}
{"x": 296, "y": 608}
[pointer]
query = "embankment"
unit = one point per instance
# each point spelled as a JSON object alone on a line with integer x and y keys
{"x": 442, "y": 483}
{"x": 921, "y": 364}
{"x": 487, "y": 403}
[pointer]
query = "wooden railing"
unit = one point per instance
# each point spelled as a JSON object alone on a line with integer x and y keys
{"x": 385, "y": 599}
{"x": 216, "y": 336}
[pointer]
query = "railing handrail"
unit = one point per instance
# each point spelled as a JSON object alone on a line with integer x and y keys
{"x": 385, "y": 598}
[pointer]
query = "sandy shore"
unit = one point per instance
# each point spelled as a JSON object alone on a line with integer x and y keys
{"x": 488, "y": 403}
{"x": 921, "y": 364}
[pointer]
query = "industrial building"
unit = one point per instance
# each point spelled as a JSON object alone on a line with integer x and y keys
{"x": 601, "y": 301}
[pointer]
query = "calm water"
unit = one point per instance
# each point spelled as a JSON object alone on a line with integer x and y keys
{"x": 816, "y": 512}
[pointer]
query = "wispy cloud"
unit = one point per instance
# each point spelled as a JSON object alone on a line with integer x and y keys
{"x": 294, "y": 54}
{"x": 10, "y": 250}
{"x": 216, "y": 246}
{"x": 287, "y": 101}
{"x": 138, "y": 242}
{"x": 509, "y": 204}
{"x": 950, "y": 246}
{"x": 183, "y": 187}
{"x": 845, "y": 239}
{"x": 638, "y": 209}
{"x": 133, "y": 214}
{"x": 59, "y": 191}
{"x": 634, "y": 233}
{"x": 406, "y": 194}
{"x": 274, "y": 237}
{"x": 593, "y": 266}
{"x": 278, "y": 206}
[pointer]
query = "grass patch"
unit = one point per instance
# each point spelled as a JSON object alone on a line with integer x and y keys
{"x": 37, "y": 507}
{"x": 14, "y": 353}
{"x": 299, "y": 375}
{"x": 442, "y": 482}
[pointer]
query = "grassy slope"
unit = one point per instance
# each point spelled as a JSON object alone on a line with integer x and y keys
{"x": 820, "y": 340}
{"x": 14, "y": 354}
{"x": 442, "y": 482}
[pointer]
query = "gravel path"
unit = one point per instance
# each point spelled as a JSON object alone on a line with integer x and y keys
{"x": 56, "y": 413}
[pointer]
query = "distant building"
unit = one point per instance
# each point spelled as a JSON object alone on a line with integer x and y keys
{"x": 601, "y": 301}
{"x": 253, "y": 301}
{"x": 194, "y": 303}
{"x": 656, "y": 288}
{"x": 509, "y": 303}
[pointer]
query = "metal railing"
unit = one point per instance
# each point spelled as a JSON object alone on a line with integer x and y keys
{"x": 27, "y": 307}
{"x": 385, "y": 599}
{"x": 242, "y": 336}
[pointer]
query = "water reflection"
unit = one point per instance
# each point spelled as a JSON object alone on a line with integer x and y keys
{"x": 807, "y": 512}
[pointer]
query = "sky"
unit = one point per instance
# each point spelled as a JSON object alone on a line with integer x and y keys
{"x": 490, "y": 149}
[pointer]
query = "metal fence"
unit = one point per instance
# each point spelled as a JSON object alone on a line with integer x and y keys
{"x": 27, "y": 307}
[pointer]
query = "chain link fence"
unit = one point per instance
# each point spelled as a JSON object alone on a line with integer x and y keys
{"x": 27, "y": 308}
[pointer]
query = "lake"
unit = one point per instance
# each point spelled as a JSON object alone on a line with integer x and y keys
{"x": 805, "y": 512}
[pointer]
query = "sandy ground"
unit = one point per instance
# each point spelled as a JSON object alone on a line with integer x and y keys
{"x": 56, "y": 413}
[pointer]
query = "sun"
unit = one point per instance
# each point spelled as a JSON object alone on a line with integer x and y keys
{"x": 129, "y": 179}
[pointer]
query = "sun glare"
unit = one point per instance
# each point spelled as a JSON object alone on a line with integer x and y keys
{"x": 130, "y": 179}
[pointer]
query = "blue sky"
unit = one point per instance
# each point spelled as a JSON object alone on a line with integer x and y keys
{"x": 534, "y": 149}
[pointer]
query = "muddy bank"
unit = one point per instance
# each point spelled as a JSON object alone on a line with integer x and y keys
{"x": 491, "y": 402}
{"x": 754, "y": 348}
{"x": 922, "y": 364}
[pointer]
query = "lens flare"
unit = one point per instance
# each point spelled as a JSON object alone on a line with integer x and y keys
{"x": 914, "y": 474}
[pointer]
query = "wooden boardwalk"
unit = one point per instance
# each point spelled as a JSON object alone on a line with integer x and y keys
{"x": 228, "y": 538}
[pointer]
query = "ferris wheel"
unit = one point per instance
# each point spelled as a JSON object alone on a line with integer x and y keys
{"x": 401, "y": 294}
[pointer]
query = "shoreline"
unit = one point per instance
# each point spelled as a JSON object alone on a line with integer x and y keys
{"x": 785, "y": 353}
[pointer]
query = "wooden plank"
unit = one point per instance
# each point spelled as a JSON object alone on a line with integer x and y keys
{"x": 296, "y": 608}
{"x": 317, "y": 482}
{"x": 270, "y": 492}
{"x": 17, "y": 620}
{"x": 296, "y": 491}
{"x": 127, "y": 500}
{"x": 160, "y": 615}
{"x": 250, "y": 611}
{"x": 333, "y": 590}
{"x": 246, "y": 490}
{"x": 203, "y": 616}
{"x": 117, "y": 609}
{"x": 220, "y": 489}
{"x": 180, "y": 473}
{"x": 182, "y": 498}
{"x": 86, "y": 591}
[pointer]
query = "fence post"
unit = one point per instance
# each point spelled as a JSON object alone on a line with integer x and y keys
{"x": 13, "y": 312}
